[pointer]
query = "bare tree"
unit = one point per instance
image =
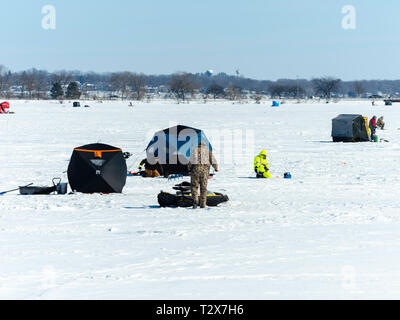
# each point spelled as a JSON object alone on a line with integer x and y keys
{"x": 326, "y": 86}
{"x": 234, "y": 92}
{"x": 277, "y": 91}
{"x": 288, "y": 91}
{"x": 85, "y": 91}
{"x": 62, "y": 77}
{"x": 182, "y": 85}
{"x": 27, "y": 82}
{"x": 41, "y": 84}
{"x": 358, "y": 88}
{"x": 137, "y": 83}
{"x": 258, "y": 98}
{"x": 215, "y": 90}
{"x": 120, "y": 82}
{"x": 5, "y": 77}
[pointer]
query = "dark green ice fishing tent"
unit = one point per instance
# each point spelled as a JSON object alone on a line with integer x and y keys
{"x": 349, "y": 128}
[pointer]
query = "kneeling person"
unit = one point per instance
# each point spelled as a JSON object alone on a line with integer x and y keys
{"x": 261, "y": 166}
{"x": 151, "y": 170}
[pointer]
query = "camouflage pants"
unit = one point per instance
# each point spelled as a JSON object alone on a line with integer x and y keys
{"x": 199, "y": 178}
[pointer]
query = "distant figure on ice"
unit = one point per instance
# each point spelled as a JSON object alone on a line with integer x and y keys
{"x": 201, "y": 159}
{"x": 372, "y": 127}
{"x": 381, "y": 123}
{"x": 151, "y": 170}
{"x": 261, "y": 166}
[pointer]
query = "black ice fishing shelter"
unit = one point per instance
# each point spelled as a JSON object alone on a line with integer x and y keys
{"x": 97, "y": 168}
{"x": 350, "y": 128}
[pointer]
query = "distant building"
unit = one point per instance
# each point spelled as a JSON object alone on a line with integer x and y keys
{"x": 209, "y": 73}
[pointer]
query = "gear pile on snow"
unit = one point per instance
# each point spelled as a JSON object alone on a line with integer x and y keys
{"x": 183, "y": 198}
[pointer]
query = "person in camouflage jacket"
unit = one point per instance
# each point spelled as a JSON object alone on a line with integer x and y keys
{"x": 201, "y": 159}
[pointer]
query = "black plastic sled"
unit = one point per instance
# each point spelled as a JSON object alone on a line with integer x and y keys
{"x": 37, "y": 190}
{"x": 183, "y": 197}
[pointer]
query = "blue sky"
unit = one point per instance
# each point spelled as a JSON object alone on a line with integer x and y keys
{"x": 266, "y": 39}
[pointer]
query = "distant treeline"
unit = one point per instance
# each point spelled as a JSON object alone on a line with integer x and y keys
{"x": 41, "y": 84}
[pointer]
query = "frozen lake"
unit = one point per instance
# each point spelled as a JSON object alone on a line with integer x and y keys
{"x": 332, "y": 232}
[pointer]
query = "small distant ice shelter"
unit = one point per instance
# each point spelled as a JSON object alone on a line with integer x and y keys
{"x": 350, "y": 128}
{"x": 4, "y": 107}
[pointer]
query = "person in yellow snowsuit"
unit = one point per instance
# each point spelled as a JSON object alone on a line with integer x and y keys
{"x": 261, "y": 166}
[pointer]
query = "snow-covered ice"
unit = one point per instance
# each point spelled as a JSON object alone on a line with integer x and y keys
{"x": 332, "y": 232}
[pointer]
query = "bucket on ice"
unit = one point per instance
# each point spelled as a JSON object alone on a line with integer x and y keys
{"x": 62, "y": 188}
